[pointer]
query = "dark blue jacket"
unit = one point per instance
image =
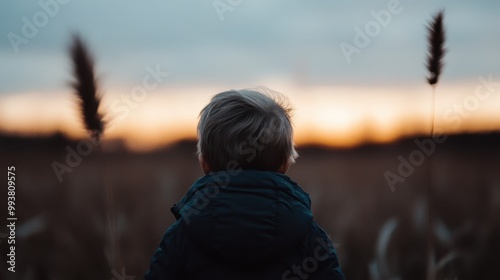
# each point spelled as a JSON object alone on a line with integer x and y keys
{"x": 244, "y": 224}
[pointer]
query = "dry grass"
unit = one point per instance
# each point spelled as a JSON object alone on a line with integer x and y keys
{"x": 351, "y": 200}
{"x": 85, "y": 86}
{"x": 87, "y": 92}
{"x": 436, "y": 40}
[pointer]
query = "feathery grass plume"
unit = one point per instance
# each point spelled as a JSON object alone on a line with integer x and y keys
{"x": 436, "y": 38}
{"x": 85, "y": 87}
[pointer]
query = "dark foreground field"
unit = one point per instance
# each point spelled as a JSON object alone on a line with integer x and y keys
{"x": 380, "y": 232}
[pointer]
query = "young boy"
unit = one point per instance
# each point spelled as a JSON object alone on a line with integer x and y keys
{"x": 245, "y": 219}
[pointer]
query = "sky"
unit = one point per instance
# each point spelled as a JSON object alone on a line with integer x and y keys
{"x": 353, "y": 70}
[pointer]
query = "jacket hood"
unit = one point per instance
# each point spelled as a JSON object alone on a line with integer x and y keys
{"x": 245, "y": 217}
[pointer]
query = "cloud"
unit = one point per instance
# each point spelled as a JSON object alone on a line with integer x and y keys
{"x": 257, "y": 40}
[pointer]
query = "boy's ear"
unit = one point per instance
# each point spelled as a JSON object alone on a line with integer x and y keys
{"x": 284, "y": 167}
{"x": 204, "y": 165}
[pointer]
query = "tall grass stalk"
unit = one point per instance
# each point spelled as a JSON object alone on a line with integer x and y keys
{"x": 436, "y": 51}
{"x": 86, "y": 89}
{"x": 436, "y": 39}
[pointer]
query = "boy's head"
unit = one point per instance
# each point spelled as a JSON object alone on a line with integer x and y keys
{"x": 249, "y": 127}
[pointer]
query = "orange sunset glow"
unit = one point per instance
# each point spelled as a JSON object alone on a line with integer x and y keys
{"x": 332, "y": 116}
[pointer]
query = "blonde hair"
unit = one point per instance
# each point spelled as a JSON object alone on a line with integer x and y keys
{"x": 251, "y": 127}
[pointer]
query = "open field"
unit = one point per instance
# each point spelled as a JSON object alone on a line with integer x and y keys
{"x": 62, "y": 230}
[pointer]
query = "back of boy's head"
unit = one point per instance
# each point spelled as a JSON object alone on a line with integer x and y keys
{"x": 250, "y": 127}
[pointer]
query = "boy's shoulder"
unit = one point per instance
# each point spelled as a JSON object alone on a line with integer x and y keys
{"x": 213, "y": 186}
